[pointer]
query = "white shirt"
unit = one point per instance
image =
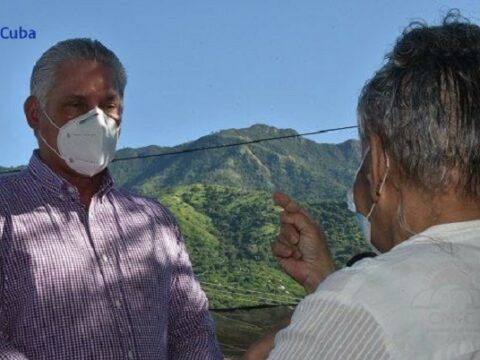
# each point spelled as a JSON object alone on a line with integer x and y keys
{"x": 420, "y": 300}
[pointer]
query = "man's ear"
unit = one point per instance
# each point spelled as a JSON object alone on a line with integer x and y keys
{"x": 31, "y": 107}
{"x": 378, "y": 166}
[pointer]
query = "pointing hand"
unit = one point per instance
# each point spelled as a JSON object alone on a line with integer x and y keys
{"x": 301, "y": 247}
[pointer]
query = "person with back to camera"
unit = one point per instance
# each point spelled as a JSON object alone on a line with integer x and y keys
{"x": 418, "y": 190}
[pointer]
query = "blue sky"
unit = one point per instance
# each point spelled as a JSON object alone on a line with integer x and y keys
{"x": 198, "y": 66}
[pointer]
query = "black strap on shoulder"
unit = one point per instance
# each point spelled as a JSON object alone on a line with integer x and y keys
{"x": 360, "y": 256}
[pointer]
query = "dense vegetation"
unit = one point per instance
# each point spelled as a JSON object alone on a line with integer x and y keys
{"x": 222, "y": 200}
{"x": 229, "y": 232}
{"x": 308, "y": 170}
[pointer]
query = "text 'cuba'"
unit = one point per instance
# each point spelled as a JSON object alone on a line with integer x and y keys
{"x": 19, "y": 33}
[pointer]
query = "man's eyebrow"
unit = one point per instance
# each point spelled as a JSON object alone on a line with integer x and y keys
{"x": 74, "y": 97}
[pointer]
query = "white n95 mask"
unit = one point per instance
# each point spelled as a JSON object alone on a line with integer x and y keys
{"x": 87, "y": 143}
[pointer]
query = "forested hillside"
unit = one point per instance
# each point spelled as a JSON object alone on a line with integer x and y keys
{"x": 229, "y": 232}
{"x": 308, "y": 170}
{"x": 222, "y": 200}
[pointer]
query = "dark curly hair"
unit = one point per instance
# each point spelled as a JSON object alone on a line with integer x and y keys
{"x": 424, "y": 104}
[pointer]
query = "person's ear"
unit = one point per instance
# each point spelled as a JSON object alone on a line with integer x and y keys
{"x": 31, "y": 107}
{"x": 378, "y": 166}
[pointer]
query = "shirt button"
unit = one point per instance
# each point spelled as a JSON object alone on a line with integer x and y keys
{"x": 105, "y": 258}
{"x": 71, "y": 190}
{"x": 130, "y": 354}
{"x": 118, "y": 304}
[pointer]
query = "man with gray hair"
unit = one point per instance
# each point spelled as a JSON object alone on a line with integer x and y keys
{"x": 88, "y": 270}
{"x": 417, "y": 197}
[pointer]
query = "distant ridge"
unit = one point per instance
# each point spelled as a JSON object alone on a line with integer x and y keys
{"x": 304, "y": 168}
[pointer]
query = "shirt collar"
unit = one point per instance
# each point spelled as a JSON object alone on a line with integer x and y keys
{"x": 442, "y": 232}
{"x": 47, "y": 178}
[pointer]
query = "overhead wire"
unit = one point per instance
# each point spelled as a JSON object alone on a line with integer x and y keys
{"x": 242, "y": 297}
{"x": 216, "y": 147}
{"x": 240, "y": 322}
{"x": 252, "y": 307}
{"x": 233, "y": 347}
{"x": 268, "y": 300}
{"x": 261, "y": 293}
{"x": 222, "y": 146}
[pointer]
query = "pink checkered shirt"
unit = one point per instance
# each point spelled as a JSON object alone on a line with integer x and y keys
{"x": 110, "y": 282}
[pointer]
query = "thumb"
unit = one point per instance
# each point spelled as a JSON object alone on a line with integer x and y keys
{"x": 284, "y": 201}
{"x": 289, "y": 205}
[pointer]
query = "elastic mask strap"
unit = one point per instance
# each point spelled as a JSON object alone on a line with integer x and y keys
{"x": 382, "y": 184}
{"x": 49, "y": 119}
{"x": 350, "y": 198}
{"x": 48, "y": 145}
{"x": 364, "y": 157}
{"x": 43, "y": 139}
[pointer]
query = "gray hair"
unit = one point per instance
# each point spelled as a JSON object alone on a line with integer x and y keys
{"x": 424, "y": 104}
{"x": 44, "y": 72}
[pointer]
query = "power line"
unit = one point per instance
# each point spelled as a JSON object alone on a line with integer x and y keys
{"x": 245, "y": 297}
{"x": 262, "y": 293}
{"x": 239, "y": 321}
{"x": 215, "y": 147}
{"x": 232, "y": 347}
{"x": 253, "y": 307}
{"x": 257, "y": 302}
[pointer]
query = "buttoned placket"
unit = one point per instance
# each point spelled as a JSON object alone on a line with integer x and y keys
{"x": 107, "y": 262}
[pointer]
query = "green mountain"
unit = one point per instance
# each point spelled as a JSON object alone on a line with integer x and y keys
{"x": 303, "y": 168}
{"x": 222, "y": 200}
{"x": 229, "y": 233}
